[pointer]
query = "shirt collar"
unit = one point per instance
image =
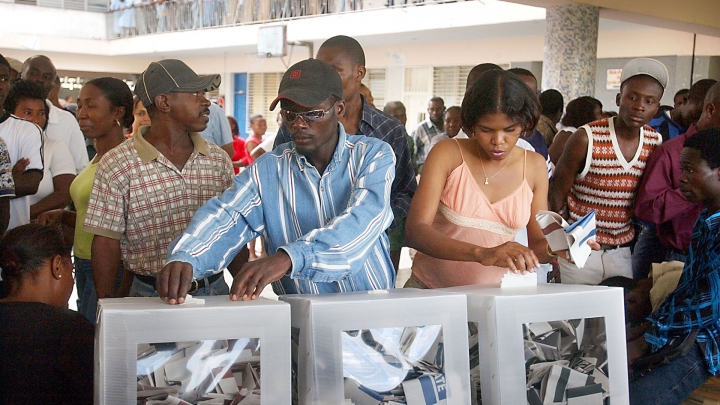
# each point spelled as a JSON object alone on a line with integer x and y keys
{"x": 53, "y": 117}
{"x": 342, "y": 136}
{"x": 712, "y": 221}
{"x": 148, "y": 153}
{"x": 368, "y": 113}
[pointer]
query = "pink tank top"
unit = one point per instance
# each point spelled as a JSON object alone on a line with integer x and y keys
{"x": 466, "y": 214}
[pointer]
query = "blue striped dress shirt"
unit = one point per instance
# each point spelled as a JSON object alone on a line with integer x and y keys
{"x": 332, "y": 225}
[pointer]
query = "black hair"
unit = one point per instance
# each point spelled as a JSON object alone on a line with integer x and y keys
{"x": 437, "y": 100}
{"x": 625, "y": 283}
{"x": 551, "y": 101}
{"x": 477, "y": 71}
{"x": 681, "y": 92}
{"x": 498, "y": 91}
{"x": 522, "y": 72}
{"x": 236, "y": 130}
{"x": 699, "y": 90}
{"x": 391, "y": 106}
{"x": 23, "y": 90}
{"x": 119, "y": 95}
{"x": 453, "y": 108}
{"x": 25, "y": 249}
{"x": 580, "y": 112}
{"x": 350, "y": 47}
{"x": 707, "y": 142}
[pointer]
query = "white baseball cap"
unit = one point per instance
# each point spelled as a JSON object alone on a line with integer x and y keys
{"x": 646, "y": 66}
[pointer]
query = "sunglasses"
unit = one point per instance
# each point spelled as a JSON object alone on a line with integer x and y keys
{"x": 307, "y": 116}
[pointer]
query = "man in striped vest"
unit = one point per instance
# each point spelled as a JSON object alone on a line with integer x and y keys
{"x": 600, "y": 170}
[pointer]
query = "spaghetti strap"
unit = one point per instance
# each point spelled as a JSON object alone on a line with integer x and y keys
{"x": 524, "y": 163}
{"x": 459, "y": 147}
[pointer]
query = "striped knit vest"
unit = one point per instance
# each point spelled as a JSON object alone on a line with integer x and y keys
{"x": 608, "y": 183}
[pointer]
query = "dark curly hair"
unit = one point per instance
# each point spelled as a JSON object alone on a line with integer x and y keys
{"x": 498, "y": 91}
{"x": 24, "y": 250}
{"x": 119, "y": 95}
{"x": 580, "y": 111}
{"x": 23, "y": 90}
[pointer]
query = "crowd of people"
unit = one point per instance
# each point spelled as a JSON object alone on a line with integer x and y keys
{"x": 173, "y": 196}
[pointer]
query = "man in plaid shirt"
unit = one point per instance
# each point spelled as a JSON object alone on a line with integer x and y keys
{"x": 695, "y": 303}
{"x": 147, "y": 189}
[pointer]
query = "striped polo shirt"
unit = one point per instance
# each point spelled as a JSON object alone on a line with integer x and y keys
{"x": 608, "y": 183}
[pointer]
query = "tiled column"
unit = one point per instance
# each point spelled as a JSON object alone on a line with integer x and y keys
{"x": 570, "y": 50}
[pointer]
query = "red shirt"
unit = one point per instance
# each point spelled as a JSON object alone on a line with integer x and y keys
{"x": 659, "y": 200}
{"x": 240, "y": 152}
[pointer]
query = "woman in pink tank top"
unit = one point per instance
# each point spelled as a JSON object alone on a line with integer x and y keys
{"x": 476, "y": 194}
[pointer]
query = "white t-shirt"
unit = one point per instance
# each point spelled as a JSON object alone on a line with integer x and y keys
{"x": 24, "y": 140}
{"x": 63, "y": 126}
{"x": 267, "y": 143}
{"x": 58, "y": 160}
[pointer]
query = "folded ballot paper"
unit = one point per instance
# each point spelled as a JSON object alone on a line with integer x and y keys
{"x": 561, "y": 236}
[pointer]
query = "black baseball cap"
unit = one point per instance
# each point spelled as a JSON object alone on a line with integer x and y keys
{"x": 171, "y": 75}
{"x": 309, "y": 83}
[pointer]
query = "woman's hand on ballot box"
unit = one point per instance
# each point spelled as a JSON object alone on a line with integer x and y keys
{"x": 511, "y": 255}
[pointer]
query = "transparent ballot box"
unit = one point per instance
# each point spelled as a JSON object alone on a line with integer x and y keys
{"x": 381, "y": 347}
{"x": 208, "y": 351}
{"x": 547, "y": 344}
{"x": 204, "y": 372}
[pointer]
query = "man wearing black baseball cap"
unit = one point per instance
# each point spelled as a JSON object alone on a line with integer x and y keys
{"x": 147, "y": 189}
{"x": 322, "y": 202}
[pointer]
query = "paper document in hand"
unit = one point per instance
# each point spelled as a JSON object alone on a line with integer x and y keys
{"x": 574, "y": 238}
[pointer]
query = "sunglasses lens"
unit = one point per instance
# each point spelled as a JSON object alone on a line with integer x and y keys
{"x": 314, "y": 116}
{"x": 308, "y": 116}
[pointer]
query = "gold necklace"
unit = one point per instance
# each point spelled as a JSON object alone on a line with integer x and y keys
{"x": 483, "y": 167}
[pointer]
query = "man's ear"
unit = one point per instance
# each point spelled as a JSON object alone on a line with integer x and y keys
{"x": 161, "y": 102}
{"x": 360, "y": 72}
{"x": 617, "y": 100}
{"x": 340, "y": 108}
{"x": 711, "y": 111}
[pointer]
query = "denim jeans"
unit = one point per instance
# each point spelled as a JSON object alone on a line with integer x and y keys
{"x": 143, "y": 289}
{"x": 672, "y": 383}
{"x": 649, "y": 250}
{"x": 87, "y": 297}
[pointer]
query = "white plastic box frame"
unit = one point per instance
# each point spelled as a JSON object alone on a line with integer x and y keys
{"x": 125, "y": 322}
{"x": 322, "y": 318}
{"x": 500, "y": 314}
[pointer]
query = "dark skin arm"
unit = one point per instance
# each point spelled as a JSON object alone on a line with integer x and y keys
{"x": 229, "y": 149}
{"x": 60, "y": 198}
{"x": 26, "y": 181}
{"x": 175, "y": 279}
{"x": 105, "y": 265}
{"x": 571, "y": 160}
{"x": 4, "y": 214}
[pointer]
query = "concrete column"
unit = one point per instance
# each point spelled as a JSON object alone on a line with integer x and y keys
{"x": 571, "y": 50}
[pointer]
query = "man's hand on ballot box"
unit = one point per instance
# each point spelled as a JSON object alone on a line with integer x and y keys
{"x": 173, "y": 282}
{"x": 254, "y": 276}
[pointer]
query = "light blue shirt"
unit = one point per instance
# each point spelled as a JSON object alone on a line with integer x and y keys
{"x": 332, "y": 225}
{"x": 218, "y": 128}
